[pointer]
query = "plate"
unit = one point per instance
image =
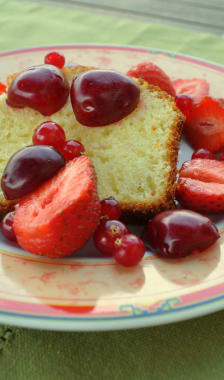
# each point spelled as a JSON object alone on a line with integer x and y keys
{"x": 88, "y": 292}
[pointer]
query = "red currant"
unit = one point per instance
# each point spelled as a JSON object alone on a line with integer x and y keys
{"x": 49, "y": 133}
{"x": 72, "y": 149}
{"x": 2, "y": 88}
{"x": 7, "y": 227}
{"x": 203, "y": 153}
{"x": 110, "y": 208}
{"x": 55, "y": 58}
{"x": 106, "y": 234}
{"x": 184, "y": 103}
{"x": 129, "y": 250}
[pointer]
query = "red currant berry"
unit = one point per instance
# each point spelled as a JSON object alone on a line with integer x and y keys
{"x": 110, "y": 208}
{"x": 7, "y": 227}
{"x": 106, "y": 234}
{"x": 221, "y": 155}
{"x": 49, "y": 133}
{"x": 184, "y": 103}
{"x": 203, "y": 153}
{"x": 55, "y": 58}
{"x": 129, "y": 250}
{"x": 72, "y": 149}
{"x": 2, "y": 88}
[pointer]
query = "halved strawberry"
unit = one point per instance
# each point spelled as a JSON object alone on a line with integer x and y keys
{"x": 204, "y": 127}
{"x": 60, "y": 216}
{"x": 2, "y": 88}
{"x": 196, "y": 88}
{"x": 154, "y": 75}
{"x": 201, "y": 186}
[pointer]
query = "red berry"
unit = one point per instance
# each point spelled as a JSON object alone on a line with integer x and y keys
{"x": 72, "y": 149}
{"x": 2, "y": 88}
{"x": 106, "y": 234}
{"x": 184, "y": 103}
{"x": 110, "y": 208}
{"x": 28, "y": 168}
{"x": 7, "y": 227}
{"x": 203, "y": 153}
{"x": 204, "y": 127}
{"x": 196, "y": 88}
{"x": 177, "y": 233}
{"x": 55, "y": 58}
{"x": 129, "y": 250}
{"x": 102, "y": 97}
{"x": 60, "y": 216}
{"x": 49, "y": 133}
{"x": 154, "y": 75}
{"x": 221, "y": 155}
{"x": 43, "y": 88}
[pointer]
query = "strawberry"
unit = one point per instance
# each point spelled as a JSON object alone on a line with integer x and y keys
{"x": 2, "y": 88}
{"x": 196, "y": 88}
{"x": 60, "y": 216}
{"x": 152, "y": 74}
{"x": 200, "y": 185}
{"x": 204, "y": 127}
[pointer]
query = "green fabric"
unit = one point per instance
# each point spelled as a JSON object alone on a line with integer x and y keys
{"x": 191, "y": 350}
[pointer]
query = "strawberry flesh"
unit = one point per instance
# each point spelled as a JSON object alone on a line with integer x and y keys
{"x": 196, "y": 88}
{"x": 201, "y": 186}
{"x": 204, "y": 127}
{"x": 154, "y": 75}
{"x": 60, "y": 216}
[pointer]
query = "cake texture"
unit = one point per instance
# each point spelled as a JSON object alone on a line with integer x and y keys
{"x": 135, "y": 159}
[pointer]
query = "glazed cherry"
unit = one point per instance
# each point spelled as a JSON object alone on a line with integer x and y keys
{"x": 72, "y": 149}
{"x": 55, "y": 58}
{"x": 28, "y": 168}
{"x": 49, "y": 133}
{"x": 43, "y": 88}
{"x": 7, "y": 227}
{"x": 102, "y": 97}
{"x": 175, "y": 234}
{"x": 129, "y": 250}
{"x": 110, "y": 208}
{"x": 106, "y": 234}
{"x": 184, "y": 103}
{"x": 203, "y": 153}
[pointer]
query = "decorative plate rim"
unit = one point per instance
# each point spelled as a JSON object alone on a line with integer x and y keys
{"x": 138, "y": 318}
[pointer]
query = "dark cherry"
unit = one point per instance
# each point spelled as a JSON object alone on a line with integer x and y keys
{"x": 175, "y": 234}
{"x": 203, "y": 153}
{"x": 7, "y": 227}
{"x": 49, "y": 133}
{"x": 28, "y": 168}
{"x": 72, "y": 149}
{"x": 101, "y": 97}
{"x": 221, "y": 155}
{"x": 55, "y": 58}
{"x": 43, "y": 88}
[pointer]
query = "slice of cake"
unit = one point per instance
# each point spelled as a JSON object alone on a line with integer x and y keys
{"x": 135, "y": 159}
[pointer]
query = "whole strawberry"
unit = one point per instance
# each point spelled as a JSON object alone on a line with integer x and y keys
{"x": 154, "y": 75}
{"x": 60, "y": 216}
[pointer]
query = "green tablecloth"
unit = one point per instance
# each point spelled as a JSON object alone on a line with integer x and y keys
{"x": 186, "y": 350}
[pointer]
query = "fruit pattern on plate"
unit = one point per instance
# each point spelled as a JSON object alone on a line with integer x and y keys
{"x": 53, "y": 227}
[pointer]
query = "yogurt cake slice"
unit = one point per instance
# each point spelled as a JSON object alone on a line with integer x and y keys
{"x": 135, "y": 159}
